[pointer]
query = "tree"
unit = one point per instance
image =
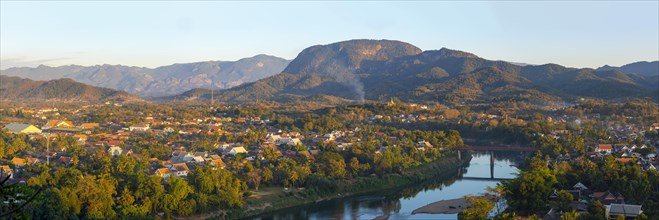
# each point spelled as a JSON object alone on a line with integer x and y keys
{"x": 479, "y": 207}
{"x": 336, "y": 168}
{"x": 596, "y": 209}
{"x": 498, "y": 192}
{"x": 530, "y": 190}
{"x": 267, "y": 175}
{"x": 353, "y": 166}
{"x": 255, "y": 178}
{"x": 564, "y": 199}
{"x": 3, "y": 145}
{"x": 97, "y": 195}
{"x": 451, "y": 114}
{"x": 175, "y": 200}
{"x": 149, "y": 188}
{"x": 332, "y": 164}
{"x": 573, "y": 215}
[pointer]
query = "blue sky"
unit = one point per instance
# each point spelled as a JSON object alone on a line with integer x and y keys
{"x": 156, "y": 33}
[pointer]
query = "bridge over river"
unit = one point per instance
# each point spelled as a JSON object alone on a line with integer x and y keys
{"x": 498, "y": 148}
{"x": 491, "y": 150}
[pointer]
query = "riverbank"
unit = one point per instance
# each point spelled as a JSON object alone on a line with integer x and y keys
{"x": 450, "y": 206}
{"x": 276, "y": 198}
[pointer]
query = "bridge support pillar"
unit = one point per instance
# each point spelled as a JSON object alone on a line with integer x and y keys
{"x": 491, "y": 164}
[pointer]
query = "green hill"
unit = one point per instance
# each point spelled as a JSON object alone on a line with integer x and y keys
{"x": 15, "y": 88}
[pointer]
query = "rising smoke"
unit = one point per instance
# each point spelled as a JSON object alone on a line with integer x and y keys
{"x": 345, "y": 74}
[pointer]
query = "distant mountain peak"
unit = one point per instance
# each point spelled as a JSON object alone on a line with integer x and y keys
{"x": 347, "y": 56}
{"x": 381, "y": 69}
{"x": 164, "y": 80}
{"x": 644, "y": 68}
{"x": 456, "y": 53}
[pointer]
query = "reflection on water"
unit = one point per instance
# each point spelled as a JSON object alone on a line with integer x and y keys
{"x": 400, "y": 204}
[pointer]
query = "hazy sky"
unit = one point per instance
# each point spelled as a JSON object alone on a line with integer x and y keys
{"x": 155, "y": 33}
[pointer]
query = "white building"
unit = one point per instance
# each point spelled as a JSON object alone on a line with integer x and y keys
{"x": 115, "y": 151}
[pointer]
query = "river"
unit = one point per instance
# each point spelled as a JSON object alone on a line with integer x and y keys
{"x": 400, "y": 204}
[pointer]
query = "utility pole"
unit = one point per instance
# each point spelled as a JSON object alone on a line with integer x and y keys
{"x": 47, "y": 149}
{"x": 212, "y": 95}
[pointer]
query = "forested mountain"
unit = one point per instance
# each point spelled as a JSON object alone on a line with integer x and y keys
{"x": 641, "y": 68}
{"x": 161, "y": 81}
{"x": 367, "y": 70}
{"x": 384, "y": 69}
{"x": 15, "y": 88}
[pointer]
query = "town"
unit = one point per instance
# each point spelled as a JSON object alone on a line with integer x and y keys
{"x": 199, "y": 158}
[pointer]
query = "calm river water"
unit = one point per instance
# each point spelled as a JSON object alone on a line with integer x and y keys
{"x": 400, "y": 204}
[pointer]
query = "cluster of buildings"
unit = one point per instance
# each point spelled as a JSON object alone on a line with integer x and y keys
{"x": 626, "y": 154}
{"x": 582, "y": 196}
{"x": 112, "y": 139}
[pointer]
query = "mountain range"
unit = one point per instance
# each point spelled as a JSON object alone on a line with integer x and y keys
{"x": 161, "y": 81}
{"x": 643, "y": 68}
{"x": 384, "y": 69}
{"x": 369, "y": 70}
{"x": 15, "y": 88}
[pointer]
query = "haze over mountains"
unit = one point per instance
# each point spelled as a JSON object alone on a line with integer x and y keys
{"x": 161, "y": 81}
{"x": 368, "y": 70}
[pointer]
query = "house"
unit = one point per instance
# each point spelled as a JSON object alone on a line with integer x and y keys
{"x": 31, "y": 160}
{"x": 22, "y": 128}
{"x": 607, "y": 148}
{"x": 5, "y": 170}
{"x": 423, "y": 145}
{"x": 576, "y": 194}
{"x": 629, "y": 211}
{"x": 180, "y": 169}
{"x": 553, "y": 214}
{"x": 88, "y": 126}
{"x": 139, "y": 127}
{"x": 563, "y": 157}
{"x": 65, "y": 161}
{"x": 608, "y": 198}
{"x": 580, "y": 186}
{"x": 344, "y": 146}
{"x": 58, "y": 124}
{"x": 81, "y": 138}
{"x": 18, "y": 162}
{"x": 163, "y": 172}
{"x": 237, "y": 150}
{"x": 654, "y": 127}
{"x": 217, "y": 163}
{"x": 201, "y": 154}
{"x": 114, "y": 151}
{"x": 181, "y": 156}
{"x": 198, "y": 159}
{"x": 213, "y": 157}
